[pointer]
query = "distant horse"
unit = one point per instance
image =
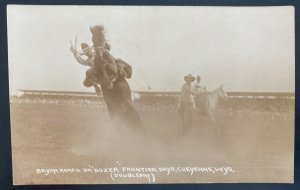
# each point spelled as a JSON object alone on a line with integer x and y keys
{"x": 118, "y": 98}
{"x": 207, "y": 102}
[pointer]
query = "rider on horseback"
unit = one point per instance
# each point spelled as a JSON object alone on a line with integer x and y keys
{"x": 116, "y": 67}
{"x": 90, "y": 79}
{"x": 197, "y": 87}
{"x": 111, "y": 74}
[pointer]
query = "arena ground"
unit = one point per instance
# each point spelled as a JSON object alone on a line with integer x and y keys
{"x": 258, "y": 147}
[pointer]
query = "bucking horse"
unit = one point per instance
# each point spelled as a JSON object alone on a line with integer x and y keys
{"x": 117, "y": 97}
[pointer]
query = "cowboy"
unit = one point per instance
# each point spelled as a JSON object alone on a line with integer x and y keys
{"x": 123, "y": 68}
{"x": 91, "y": 74}
{"x": 197, "y": 87}
{"x": 199, "y": 93}
{"x": 186, "y": 104}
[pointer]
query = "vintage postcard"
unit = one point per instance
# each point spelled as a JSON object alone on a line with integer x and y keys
{"x": 151, "y": 94}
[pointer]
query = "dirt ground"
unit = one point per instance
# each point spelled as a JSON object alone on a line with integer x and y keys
{"x": 258, "y": 148}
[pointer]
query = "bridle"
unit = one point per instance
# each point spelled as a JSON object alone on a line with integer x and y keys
{"x": 100, "y": 50}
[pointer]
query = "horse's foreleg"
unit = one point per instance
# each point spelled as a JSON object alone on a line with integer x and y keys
{"x": 200, "y": 114}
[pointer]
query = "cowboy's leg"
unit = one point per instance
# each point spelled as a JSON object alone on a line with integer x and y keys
{"x": 180, "y": 111}
{"x": 186, "y": 121}
{"x": 189, "y": 118}
{"x": 121, "y": 72}
{"x": 199, "y": 104}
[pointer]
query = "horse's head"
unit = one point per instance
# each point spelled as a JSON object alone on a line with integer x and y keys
{"x": 98, "y": 39}
{"x": 222, "y": 93}
{"x": 100, "y": 48}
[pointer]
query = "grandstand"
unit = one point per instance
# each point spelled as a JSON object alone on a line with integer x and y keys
{"x": 56, "y": 97}
{"x": 264, "y": 101}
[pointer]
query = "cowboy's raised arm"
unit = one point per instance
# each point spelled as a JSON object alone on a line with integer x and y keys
{"x": 78, "y": 58}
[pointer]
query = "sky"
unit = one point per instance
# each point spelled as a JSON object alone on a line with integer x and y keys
{"x": 242, "y": 48}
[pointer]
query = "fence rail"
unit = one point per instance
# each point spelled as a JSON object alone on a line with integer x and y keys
{"x": 160, "y": 93}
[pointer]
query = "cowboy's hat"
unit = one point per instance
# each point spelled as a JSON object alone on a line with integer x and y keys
{"x": 189, "y": 78}
{"x": 85, "y": 48}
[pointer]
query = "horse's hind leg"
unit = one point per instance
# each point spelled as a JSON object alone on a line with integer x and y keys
{"x": 135, "y": 117}
{"x": 131, "y": 115}
{"x": 200, "y": 114}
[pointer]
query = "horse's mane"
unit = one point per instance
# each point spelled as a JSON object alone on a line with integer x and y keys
{"x": 217, "y": 89}
{"x": 215, "y": 92}
{"x": 99, "y": 34}
{"x": 98, "y": 29}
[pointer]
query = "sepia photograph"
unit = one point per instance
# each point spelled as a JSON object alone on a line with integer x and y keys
{"x": 151, "y": 94}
